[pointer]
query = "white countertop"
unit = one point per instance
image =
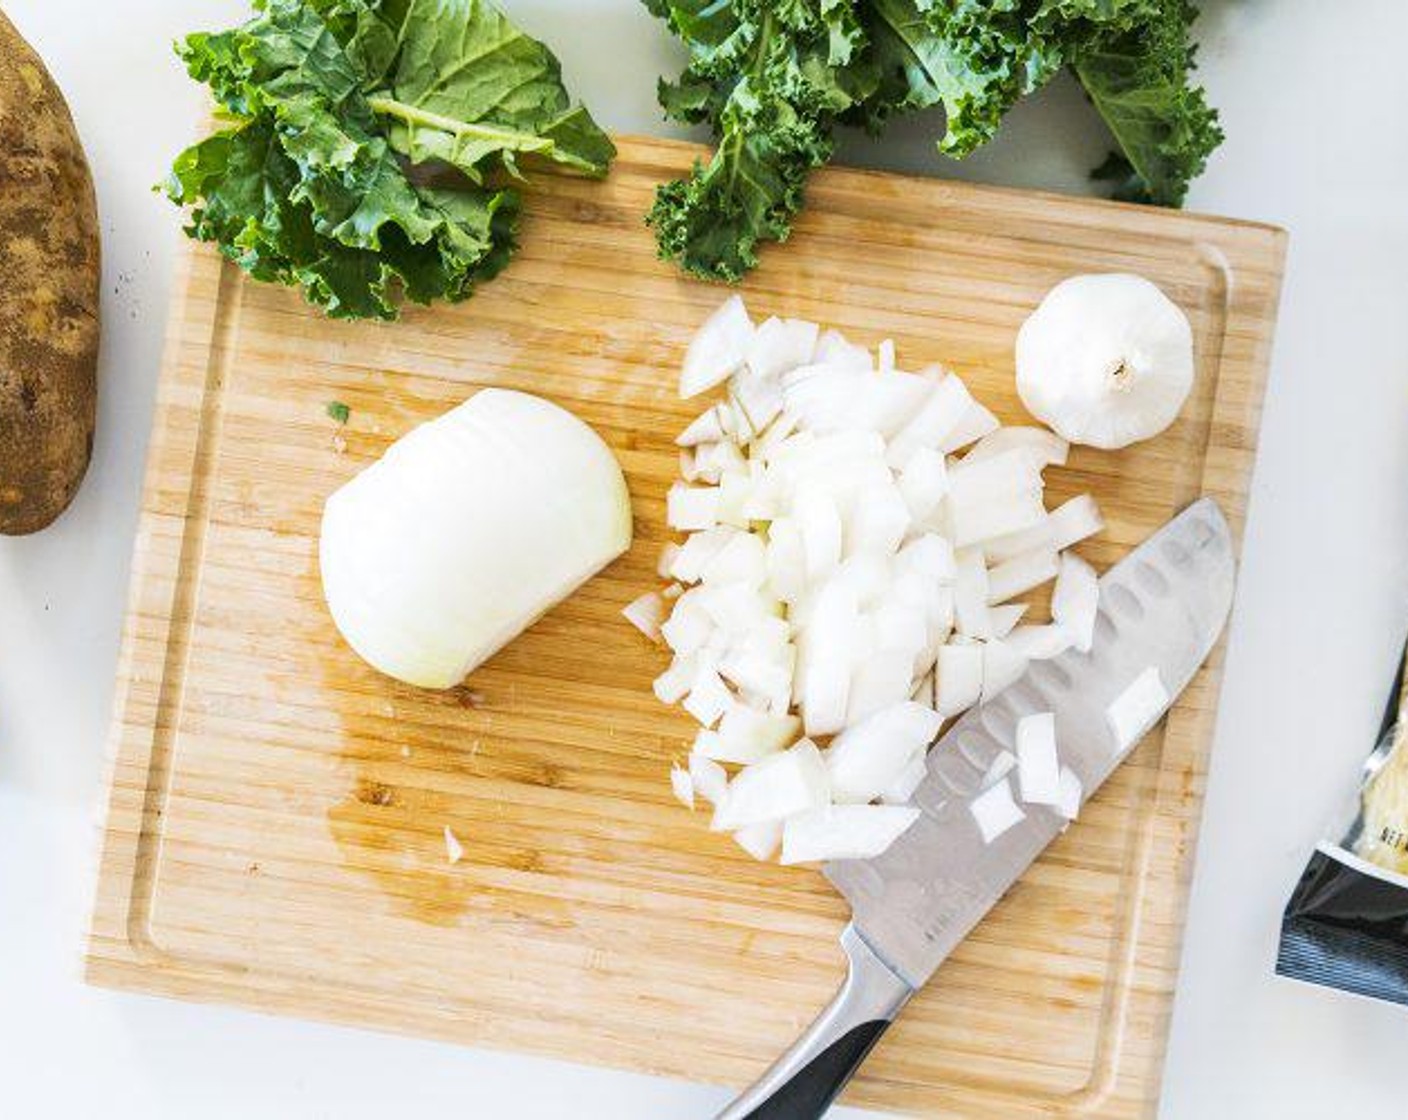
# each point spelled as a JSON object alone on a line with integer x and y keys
{"x": 1310, "y": 95}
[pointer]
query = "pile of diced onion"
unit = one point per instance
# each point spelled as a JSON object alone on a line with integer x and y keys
{"x": 855, "y": 540}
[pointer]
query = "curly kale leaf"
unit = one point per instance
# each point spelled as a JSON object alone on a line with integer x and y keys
{"x": 1139, "y": 83}
{"x": 770, "y": 77}
{"x": 333, "y": 101}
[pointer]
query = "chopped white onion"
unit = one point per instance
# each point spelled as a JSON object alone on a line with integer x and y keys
{"x": 960, "y": 677}
{"x": 454, "y": 850}
{"x": 1046, "y": 447}
{"x": 1002, "y": 764}
{"x": 780, "y": 786}
{"x": 683, "y": 786}
{"x": 710, "y": 780}
{"x": 1002, "y": 667}
{"x": 760, "y": 840}
{"x": 1074, "y": 522}
{"x": 1039, "y": 767}
{"x": 868, "y": 757}
{"x": 1021, "y": 574}
{"x": 691, "y": 508}
{"x": 1039, "y": 643}
{"x": 1076, "y": 600}
{"x": 647, "y": 613}
{"x": 995, "y": 811}
{"x": 780, "y": 345}
{"x": 844, "y": 832}
{"x": 1138, "y": 708}
{"x": 1005, "y": 618}
{"x": 1068, "y": 803}
{"x": 843, "y": 576}
{"x": 970, "y": 596}
{"x": 718, "y": 349}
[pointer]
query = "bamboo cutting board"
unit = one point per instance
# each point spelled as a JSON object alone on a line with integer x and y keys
{"x": 277, "y": 808}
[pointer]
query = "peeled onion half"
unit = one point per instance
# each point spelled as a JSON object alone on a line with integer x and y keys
{"x": 467, "y": 530}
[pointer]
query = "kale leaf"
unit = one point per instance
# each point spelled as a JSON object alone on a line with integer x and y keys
{"x": 332, "y": 103}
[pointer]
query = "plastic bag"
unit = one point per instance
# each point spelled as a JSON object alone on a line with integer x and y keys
{"x": 1346, "y": 925}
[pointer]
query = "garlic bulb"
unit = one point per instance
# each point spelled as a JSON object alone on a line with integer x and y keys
{"x": 1106, "y": 360}
{"x": 466, "y": 531}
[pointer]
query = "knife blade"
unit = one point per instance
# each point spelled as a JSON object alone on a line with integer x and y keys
{"x": 1163, "y": 607}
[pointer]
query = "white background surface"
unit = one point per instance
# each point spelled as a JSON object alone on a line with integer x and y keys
{"x": 1311, "y": 95}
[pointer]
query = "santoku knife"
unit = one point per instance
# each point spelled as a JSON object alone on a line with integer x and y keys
{"x": 1163, "y": 607}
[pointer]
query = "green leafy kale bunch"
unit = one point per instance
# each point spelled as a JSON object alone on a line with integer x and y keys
{"x": 372, "y": 144}
{"x": 774, "y": 77}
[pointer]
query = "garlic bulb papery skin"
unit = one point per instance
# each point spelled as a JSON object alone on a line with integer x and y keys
{"x": 1106, "y": 360}
{"x": 466, "y": 531}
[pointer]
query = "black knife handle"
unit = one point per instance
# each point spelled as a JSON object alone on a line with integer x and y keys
{"x": 804, "y": 1081}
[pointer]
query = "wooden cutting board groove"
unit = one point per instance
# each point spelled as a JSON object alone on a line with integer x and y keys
{"x": 275, "y": 829}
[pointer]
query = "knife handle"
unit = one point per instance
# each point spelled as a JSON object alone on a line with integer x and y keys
{"x": 802, "y": 1083}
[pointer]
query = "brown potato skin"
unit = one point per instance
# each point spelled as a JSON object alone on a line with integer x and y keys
{"x": 49, "y": 281}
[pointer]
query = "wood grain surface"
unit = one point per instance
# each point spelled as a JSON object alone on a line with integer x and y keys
{"x": 275, "y": 829}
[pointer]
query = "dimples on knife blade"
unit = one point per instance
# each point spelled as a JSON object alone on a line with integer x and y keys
{"x": 1163, "y": 606}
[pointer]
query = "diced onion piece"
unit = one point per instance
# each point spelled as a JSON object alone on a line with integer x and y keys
{"x": 647, "y": 613}
{"x": 1006, "y": 617}
{"x": 901, "y": 790}
{"x": 760, "y": 840}
{"x": 977, "y": 422}
{"x": 995, "y": 811}
{"x": 960, "y": 677}
{"x": 691, "y": 508}
{"x": 983, "y": 521}
{"x": 993, "y": 479}
{"x": 1046, "y": 447}
{"x": 970, "y": 596}
{"x": 833, "y": 349}
{"x": 739, "y": 752}
{"x": 708, "y": 697}
{"x": 454, "y": 850}
{"x": 836, "y": 399}
{"x": 714, "y": 460}
{"x": 664, "y": 567}
{"x": 931, "y": 557}
{"x": 946, "y": 408}
{"x": 1021, "y": 574}
{"x": 1138, "y": 708}
{"x": 826, "y": 669}
{"x": 762, "y": 670}
{"x": 1068, "y": 804}
{"x": 709, "y": 779}
{"x": 780, "y": 345}
{"x": 756, "y": 400}
{"x": 866, "y": 758}
{"x": 683, "y": 786}
{"x": 737, "y": 608}
{"x": 1039, "y": 767}
{"x": 698, "y": 550}
{"x": 878, "y": 522}
{"x": 764, "y": 732}
{"x": 844, "y": 832}
{"x": 786, "y": 560}
{"x": 1074, "y": 522}
{"x": 819, "y": 523}
{"x": 899, "y": 629}
{"x": 778, "y": 787}
{"x": 881, "y": 679}
{"x": 1002, "y": 764}
{"x": 1076, "y": 600}
{"x": 688, "y": 628}
{"x": 706, "y": 428}
{"x": 742, "y": 560}
{"x": 1002, "y": 668}
{"x": 1039, "y": 643}
{"x": 674, "y": 683}
{"x": 718, "y": 348}
{"x": 923, "y": 482}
